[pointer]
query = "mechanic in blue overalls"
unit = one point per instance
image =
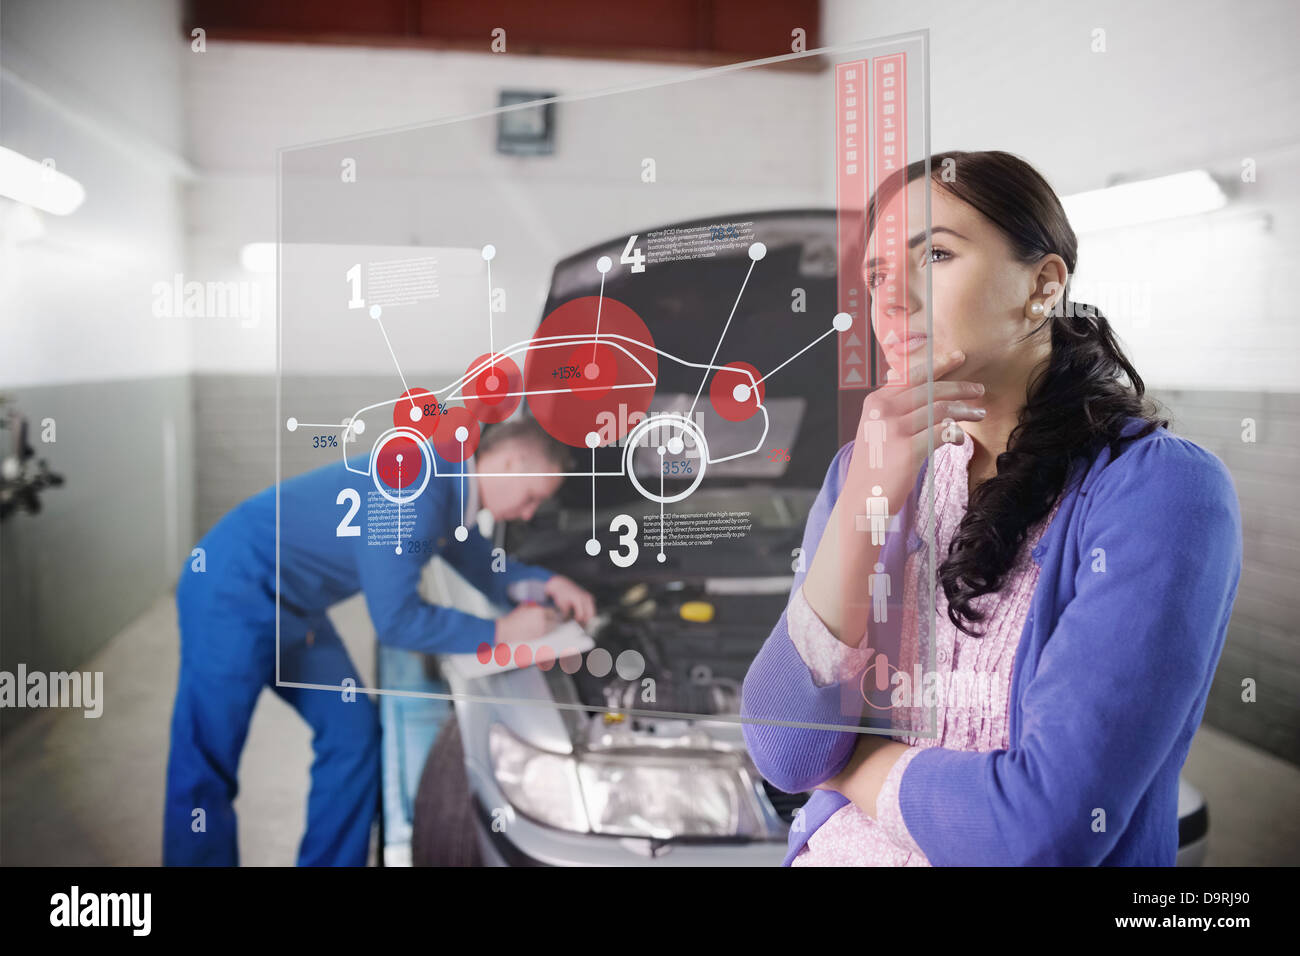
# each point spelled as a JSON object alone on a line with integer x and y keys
{"x": 226, "y": 603}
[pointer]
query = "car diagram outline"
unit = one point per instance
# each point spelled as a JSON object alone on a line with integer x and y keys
{"x": 456, "y": 390}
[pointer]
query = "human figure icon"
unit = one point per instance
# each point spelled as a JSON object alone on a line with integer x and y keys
{"x": 878, "y": 513}
{"x": 873, "y": 432}
{"x": 880, "y": 588}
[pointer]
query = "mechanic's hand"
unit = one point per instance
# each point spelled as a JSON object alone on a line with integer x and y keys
{"x": 527, "y": 622}
{"x": 571, "y": 599}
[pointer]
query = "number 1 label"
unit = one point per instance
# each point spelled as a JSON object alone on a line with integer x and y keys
{"x": 354, "y": 277}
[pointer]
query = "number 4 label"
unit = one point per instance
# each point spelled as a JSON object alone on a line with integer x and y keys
{"x": 632, "y": 257}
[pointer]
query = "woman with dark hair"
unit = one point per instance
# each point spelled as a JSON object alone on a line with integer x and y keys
{"x": 1089, "y": 562}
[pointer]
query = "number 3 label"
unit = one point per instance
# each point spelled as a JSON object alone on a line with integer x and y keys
{"x": 627, "y": 539}
{"x": 346, "y": 529}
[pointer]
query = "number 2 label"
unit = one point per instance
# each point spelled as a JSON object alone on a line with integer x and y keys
{"x": 346, "y": 529}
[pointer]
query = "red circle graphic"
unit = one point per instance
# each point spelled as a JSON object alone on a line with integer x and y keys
{"x": 493, "y": 393}
{"x": 625, "y": 373}
{"x": 445, "y": 442}
{"x": 722, "y": 391}
{"x": 399, "y": 475}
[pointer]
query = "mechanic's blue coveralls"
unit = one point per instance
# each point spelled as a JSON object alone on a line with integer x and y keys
{"x": 228, "y": 646}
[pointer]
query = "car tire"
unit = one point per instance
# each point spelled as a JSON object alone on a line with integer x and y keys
{"x": 444, "y": 832}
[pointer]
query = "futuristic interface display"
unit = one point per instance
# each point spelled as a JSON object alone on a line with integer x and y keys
{"x": 420, "y": 307}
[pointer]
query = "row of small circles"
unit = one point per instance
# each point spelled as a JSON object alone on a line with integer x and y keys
{"x": 629, "y": 666}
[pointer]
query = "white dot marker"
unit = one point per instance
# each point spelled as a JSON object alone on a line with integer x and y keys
{"x": 398, "y": 549}
{"x": 462, "y": 533}
{"x": 358, "y": 425}
{"x": 593, "y": 440}
{"x": 661, "y": 451}
{"x": 603, "y": 264}
{"x": 489, "y": 252}
{"x": 462, "y": 433}
{"x": 416, "y": 414}
{"x": 376, "y": 311}
{"x": 842, "y": 322}
{"x": 757, "y": 251}
{"x": 591, "y": 371}
{"x": 593, "y": 547}
{"x": 741, "y": 392}
{"x": 675, "y": 445}
{"x": 662, "y": 557}
{"x": 292, "y": 424}
{"x": 399, "y": 458}
{"x": 492, "y": 383}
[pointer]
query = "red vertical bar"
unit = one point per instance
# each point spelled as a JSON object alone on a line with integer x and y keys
{"x": 889, "y": 240}
{"x": 850, "y": 211}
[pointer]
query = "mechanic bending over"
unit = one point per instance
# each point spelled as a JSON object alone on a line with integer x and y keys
{"x": 226, "y": 608}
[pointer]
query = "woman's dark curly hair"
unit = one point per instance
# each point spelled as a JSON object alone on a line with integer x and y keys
{"x": 1077, "y": 403}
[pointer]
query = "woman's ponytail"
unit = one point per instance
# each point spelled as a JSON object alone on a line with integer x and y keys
{"x": 1077, "y": 405}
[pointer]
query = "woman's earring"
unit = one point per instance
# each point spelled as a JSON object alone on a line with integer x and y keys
{"x": 1036, "y": 309}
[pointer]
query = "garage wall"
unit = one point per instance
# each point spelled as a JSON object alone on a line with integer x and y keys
{"x": 80, "y": 342}
{"x": 113, "y": 538}
{"x": 270, "y": 94}
{"x": 1262, "y": 644}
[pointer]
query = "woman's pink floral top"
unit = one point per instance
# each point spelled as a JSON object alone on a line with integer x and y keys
{"x": 974, "y": 675}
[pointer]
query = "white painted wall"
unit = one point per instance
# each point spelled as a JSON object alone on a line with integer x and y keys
{"x": 1199, "y": 303}
{"x": 95, "y": 87}
{"x": 248, "y": 100}
{"x": 116, "y": 97}
{"x": 1182, "y": 85}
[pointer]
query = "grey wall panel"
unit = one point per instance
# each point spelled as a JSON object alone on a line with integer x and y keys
{"x": 110, "y": 540}
{"x": 1263, "y": 641}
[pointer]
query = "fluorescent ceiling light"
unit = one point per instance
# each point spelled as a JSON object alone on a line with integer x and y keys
{"x": 34, "y": 184}
{"x": 1148, "y": 200}
{"x": 258, "y": 257}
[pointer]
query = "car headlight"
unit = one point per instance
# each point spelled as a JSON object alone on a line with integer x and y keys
{"x": 661, "y": 796}
{"x": 542, "y": 785}
{"x": 648, "y": 795}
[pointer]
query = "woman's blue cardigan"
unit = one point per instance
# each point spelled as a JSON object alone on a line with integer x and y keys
{"x": 1139, "y": 570}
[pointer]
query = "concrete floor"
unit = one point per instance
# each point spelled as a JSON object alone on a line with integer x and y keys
{"x": 75, "y": 791}
{"x": 78, "y": 791}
